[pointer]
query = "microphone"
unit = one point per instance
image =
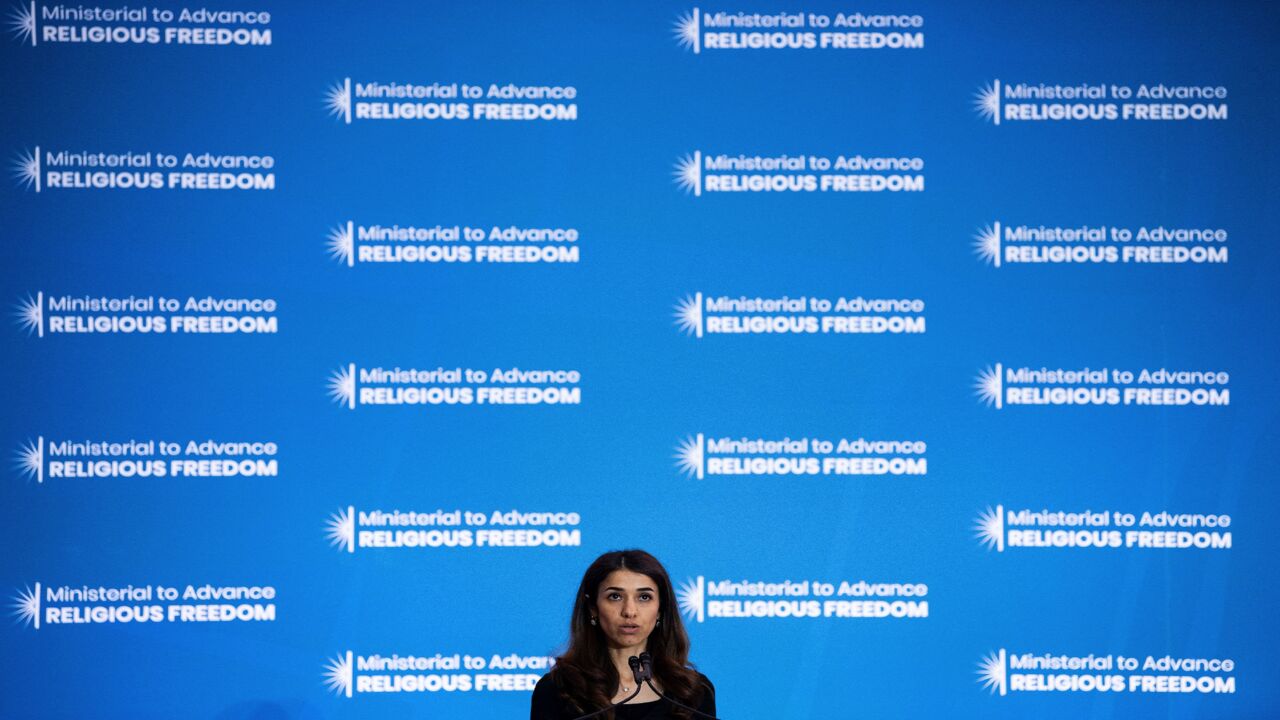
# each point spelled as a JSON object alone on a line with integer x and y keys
{"x": 646, "y": 670}
{"x": 636, "y": 671}
{"x": 642, "y": 667}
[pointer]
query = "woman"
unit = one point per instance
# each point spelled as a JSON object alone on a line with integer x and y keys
{"x": 625, "y": 606}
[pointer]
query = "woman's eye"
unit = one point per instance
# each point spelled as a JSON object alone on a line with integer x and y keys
{"x": 646, "y": 596}
{"x": 614, "y": 596}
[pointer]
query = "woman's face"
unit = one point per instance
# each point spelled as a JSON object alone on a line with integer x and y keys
{"x": 627, "y": 607}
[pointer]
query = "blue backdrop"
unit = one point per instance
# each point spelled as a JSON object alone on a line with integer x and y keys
{"x": 263, "y": 263}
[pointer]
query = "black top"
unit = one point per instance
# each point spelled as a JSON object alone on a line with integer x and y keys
{"x": 548, "y": 705}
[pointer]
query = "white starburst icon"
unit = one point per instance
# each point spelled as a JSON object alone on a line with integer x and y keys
{"x": 341, "y": 529}
{"x": 688, "y": 173}
{"x": 688, "y": 314}
{"x": 342, "y": 246}
{"x": 26, "y": 606}
{"x": 30, "y": 314}
{"x": 342, "y": 386}
{"x": 22, "y": 23}
{"x": 686, "y": 30}
{"x": 338, "y": 674}
{"x": 26, "y": 168}
{"x": 989, "y": 386}
{"x": 689, "y": 456}
{"x": 987, "y": 101}
{"x": 690, "y": 596}
{"x": 338, "y": 100}
{"x": 30, "y": 460}
{"x": 989, "y": 528}
{"x": 986, "y": 244}
{"x": 991, "y": 672}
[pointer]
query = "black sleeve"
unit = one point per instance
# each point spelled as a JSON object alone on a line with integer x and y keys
{"x": 708, "y": 704}
{"x": 546, "y": 703}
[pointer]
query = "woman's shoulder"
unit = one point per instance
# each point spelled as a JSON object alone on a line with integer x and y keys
{"x": 708, "y": 701}
{"x": 705, "y": 680}
{"x": 547, "y": 685}
{"x": 546, "y": 701}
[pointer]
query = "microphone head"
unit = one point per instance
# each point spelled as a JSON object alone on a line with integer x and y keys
{"x": 637, "y": 670}
{"x": 646, "y": 665}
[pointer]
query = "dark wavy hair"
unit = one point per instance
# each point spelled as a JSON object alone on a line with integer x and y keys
{"x": 585, "y": 676}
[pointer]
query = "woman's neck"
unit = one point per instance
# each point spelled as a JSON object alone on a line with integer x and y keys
{"x": 620, "y": 656}
{"x": 627, "y": 679}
